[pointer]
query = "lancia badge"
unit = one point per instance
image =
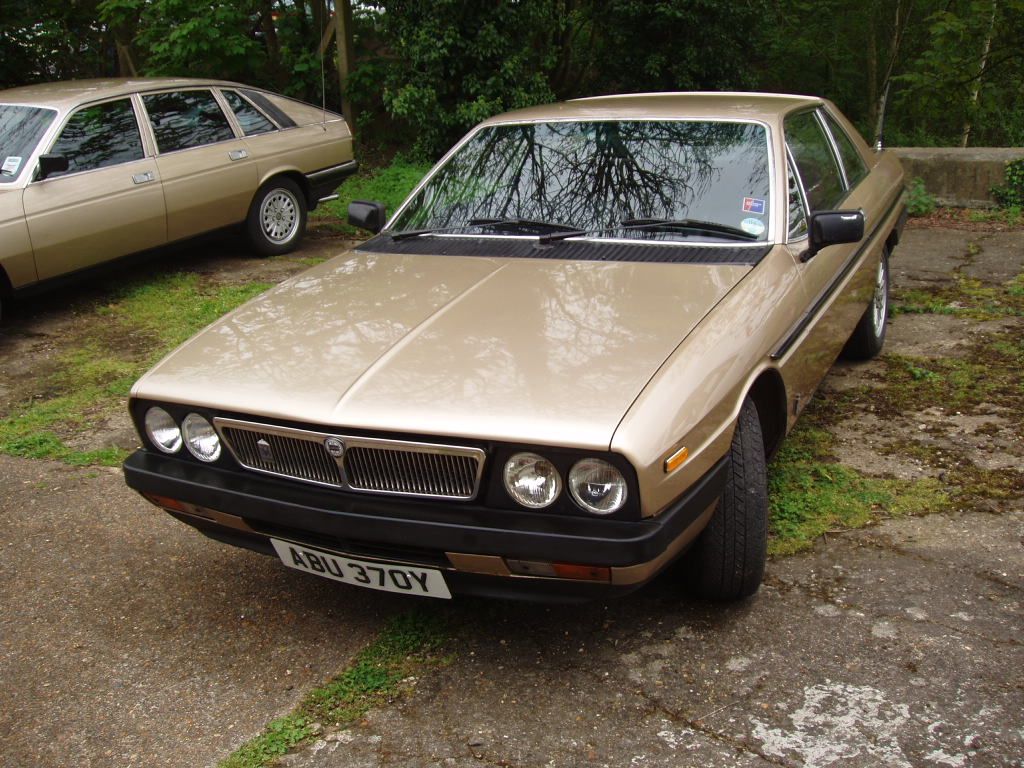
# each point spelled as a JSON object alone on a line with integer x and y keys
{"x": 334, "y": 447}
{"x": 266, "y": 454}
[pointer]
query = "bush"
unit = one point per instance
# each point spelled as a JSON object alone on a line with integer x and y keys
{"x": 1012, "y": 194}
{"x": 919, "y": 201}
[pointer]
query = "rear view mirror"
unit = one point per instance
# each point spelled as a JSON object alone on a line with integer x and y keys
{"x": 832, "y": 228}
{"x": 51, "y": 164}
{"x": 367, "y": 214}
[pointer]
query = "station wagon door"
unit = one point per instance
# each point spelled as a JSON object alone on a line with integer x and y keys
{"x": 107, "y": 204}
{"x": 208, "y": 176}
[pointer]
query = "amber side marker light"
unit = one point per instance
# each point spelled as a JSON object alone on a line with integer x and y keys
{"x": 676, "y": 460}
{"x": 166, "y": 502}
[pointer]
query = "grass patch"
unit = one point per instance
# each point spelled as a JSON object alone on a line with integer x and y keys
{"x": 811, "y": 494}
{"x": 92, "y": 380}
{"x": 389, "y": 185}
{"x": 408, "y": 643}
{"x": 967, "y": 298}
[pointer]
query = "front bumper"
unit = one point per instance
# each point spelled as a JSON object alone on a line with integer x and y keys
{"x": 465, "y": 541}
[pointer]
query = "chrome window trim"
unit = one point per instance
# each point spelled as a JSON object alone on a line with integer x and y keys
{"x": 353, "y": 441}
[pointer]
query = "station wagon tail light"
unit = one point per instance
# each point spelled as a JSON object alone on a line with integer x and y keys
{"x": 532, "y": 480}
{"x": 162, "y": 430}
{"x": 597, "y": 486}
{"x": 201, "y": 439}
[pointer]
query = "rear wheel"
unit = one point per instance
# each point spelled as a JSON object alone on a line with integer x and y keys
{"x": 277, "y": 217}
{"x": 868, "y": 337}
{"x": 728, "y": 560}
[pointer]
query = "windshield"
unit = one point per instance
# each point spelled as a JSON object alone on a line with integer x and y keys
{"x": 20, "y": 131}
{"x": 657, "y": 176}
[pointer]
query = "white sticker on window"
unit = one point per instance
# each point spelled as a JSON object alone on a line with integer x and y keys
{"x": 11, "y": 165}
{"x": 753, "y": 226}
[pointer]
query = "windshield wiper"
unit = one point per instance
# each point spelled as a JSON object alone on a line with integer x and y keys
{"x": 695, "y": 225}
{"x": 564, "y": 230}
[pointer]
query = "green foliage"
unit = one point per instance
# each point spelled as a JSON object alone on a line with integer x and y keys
{"x": 919, "y": 201}
{"x": 1011, "y": 194}
{"x": 41, "y": 41}
{"x": 405, "y": 645}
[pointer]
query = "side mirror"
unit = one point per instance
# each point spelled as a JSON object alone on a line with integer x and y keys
{"x": 832, "y": 228}
{"x": 51, "y": 164}
{"x": 367, "y": 214}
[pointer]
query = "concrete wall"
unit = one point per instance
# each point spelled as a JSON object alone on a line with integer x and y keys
{"x": 959, "y": 177}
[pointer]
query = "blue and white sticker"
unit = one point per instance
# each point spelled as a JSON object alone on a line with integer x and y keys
{"x": 753, "y": 205}
{"x": 11, "y": 165}
{"x": 753, "y": 226}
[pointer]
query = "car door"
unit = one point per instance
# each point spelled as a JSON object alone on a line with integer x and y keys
{"x": 209, "y": 179}
{"x": 817, "y": 182}
{"x": 107, "y": 204}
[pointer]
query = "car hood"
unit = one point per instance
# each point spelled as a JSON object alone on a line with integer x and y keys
{"x": 527, "y": 350}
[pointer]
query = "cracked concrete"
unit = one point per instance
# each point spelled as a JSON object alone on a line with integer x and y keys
{"x": 129, "y": 640}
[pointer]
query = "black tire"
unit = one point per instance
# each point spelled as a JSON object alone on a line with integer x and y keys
{"x": 277, "y": 217}
{"x": 868, "y": 337}
{"x": 728, "y": 559}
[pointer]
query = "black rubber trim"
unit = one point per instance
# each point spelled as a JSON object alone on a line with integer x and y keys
{"x": 823, "y": 298}
{"x": 326, "y": 180}
{"x": 458, "y": 528}
{"x": 576, "y": 251}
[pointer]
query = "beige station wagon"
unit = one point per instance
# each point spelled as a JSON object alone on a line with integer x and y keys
{"x": 559, "y": 367}
{"x": 93, "y": 170}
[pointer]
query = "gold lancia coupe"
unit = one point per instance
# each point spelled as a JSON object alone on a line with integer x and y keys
{"x": 559, "y": 367}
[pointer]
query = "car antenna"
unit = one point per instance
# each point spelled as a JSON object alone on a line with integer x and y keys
{"x": 323, "y": 81}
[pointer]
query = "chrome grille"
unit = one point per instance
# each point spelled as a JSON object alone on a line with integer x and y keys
{"x": 296, "y": 457}
{"x": 368, "y": 465}
{"x": 404, "y": 471}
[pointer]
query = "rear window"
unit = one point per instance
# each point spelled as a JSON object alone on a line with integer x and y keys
{"x": 21, "y": 128}
{"x": 852, "y": 161}
{"x": 249, "y": 118}
{"x": 186, "y": 119}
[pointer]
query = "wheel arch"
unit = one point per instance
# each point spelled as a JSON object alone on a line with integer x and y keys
{"x": 297, "y": 176}
{"x": 769, "y": 395}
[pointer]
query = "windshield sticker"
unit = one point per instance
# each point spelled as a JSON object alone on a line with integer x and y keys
{"x": 11, "y": 165}
{"x": 753, "y": 226}
{"x": 753, "y": 205}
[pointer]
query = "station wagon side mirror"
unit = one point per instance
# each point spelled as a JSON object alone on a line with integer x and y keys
{"x": 832, "y": 228}
{"x": 367, "y": 214}
{"x": 51, "y": 164}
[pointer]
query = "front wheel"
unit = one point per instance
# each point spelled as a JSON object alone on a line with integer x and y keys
{"x": 868, "y": 337}
{"x": 277, "y": 217}
{"x": 728, "y": 560}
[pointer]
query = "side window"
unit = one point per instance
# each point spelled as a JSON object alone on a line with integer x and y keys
{"x": 251, "y": 119}
{"x": 797, "y": 215}
{"x": 99, "y": 136}
{"x": 186, "y": 119}
{"x": 815, "y": 162}
{"x": 852, "y": 161}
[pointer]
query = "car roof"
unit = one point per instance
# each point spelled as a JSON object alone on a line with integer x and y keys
{"x": 764, "y": 107}
{"x": 68, "y": 93}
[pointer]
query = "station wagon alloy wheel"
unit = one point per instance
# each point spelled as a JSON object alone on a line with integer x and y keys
{"x": 279, "y": 216}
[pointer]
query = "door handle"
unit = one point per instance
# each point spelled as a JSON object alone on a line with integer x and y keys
{"x": 142, "y": 178}
{"x": 238, "y": 154}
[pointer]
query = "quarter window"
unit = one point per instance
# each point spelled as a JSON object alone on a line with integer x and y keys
{"x": 852, "y": 161}
{"x": 99, "y": 136}
{"x": 814, "y": 160}
{"x": 250, "y": 118}
{"x": 186, "y": 119}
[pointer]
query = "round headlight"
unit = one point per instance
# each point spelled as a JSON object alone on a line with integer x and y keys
{"x": 162, "y": 430}
{"x": 200, "y": 438}
{"x": 597, "y": 486}
{"x": 532, "y": 480}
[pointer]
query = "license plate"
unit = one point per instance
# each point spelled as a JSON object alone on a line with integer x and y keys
{"x": 387, "y": 577}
